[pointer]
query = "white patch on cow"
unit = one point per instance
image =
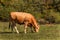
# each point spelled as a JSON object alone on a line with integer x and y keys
{"x": 25, "y": 29}
{"x": 16, "y": 29}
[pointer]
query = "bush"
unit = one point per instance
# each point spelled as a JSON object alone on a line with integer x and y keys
{"x": 53, "y": 17}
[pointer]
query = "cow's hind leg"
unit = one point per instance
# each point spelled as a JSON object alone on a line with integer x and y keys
{"x": 14, "y": 26}
{"x": 16, "y": 29}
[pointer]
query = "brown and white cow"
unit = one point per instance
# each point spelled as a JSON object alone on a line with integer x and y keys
{"x": 22, "y": 18}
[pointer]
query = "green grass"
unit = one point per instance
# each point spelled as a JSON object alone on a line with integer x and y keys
{"x": 45, "y": 33}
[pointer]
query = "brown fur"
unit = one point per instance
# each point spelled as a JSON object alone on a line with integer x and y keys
{"x": 23, "y": 18}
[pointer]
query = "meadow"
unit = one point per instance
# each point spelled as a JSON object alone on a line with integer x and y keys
{"x": 46, "y": 32}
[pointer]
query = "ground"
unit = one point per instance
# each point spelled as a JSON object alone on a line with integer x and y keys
{"x": 46, "y": 32}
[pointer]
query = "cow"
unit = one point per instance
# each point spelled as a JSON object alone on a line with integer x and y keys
{"x": 23, "y": 18}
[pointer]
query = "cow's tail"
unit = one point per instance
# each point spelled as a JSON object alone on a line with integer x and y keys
{"x": 9, "y": 21}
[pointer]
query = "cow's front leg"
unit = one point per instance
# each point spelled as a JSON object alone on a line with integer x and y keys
{"x": 25, "y": 27}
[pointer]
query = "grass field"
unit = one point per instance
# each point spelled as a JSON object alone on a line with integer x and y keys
{"x": 45, "y": 33}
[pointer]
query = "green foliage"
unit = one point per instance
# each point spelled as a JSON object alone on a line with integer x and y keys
{"x": 38, "y": 8}
{"x": 53, "y": 16}
{"x": 56, "y": 16}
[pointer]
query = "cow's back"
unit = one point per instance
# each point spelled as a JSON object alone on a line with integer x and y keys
{"x": 21, "y": 16}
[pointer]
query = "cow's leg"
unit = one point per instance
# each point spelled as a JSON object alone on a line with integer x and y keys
{"x": 16, "y": 29}
{"x": 25, "y": 28}
{"x": 31, "y": 28}
{"x": 14, "y": 26}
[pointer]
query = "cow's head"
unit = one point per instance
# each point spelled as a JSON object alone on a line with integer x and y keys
{"x": 36, "y": 29}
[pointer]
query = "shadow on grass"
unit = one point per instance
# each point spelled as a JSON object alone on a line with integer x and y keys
{"x": 10, "y": 32}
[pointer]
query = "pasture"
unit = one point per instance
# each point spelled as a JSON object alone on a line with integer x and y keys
{"x": 45, "y": 33}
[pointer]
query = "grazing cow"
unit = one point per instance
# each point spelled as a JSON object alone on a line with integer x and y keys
{"x": 22, "y": 18}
